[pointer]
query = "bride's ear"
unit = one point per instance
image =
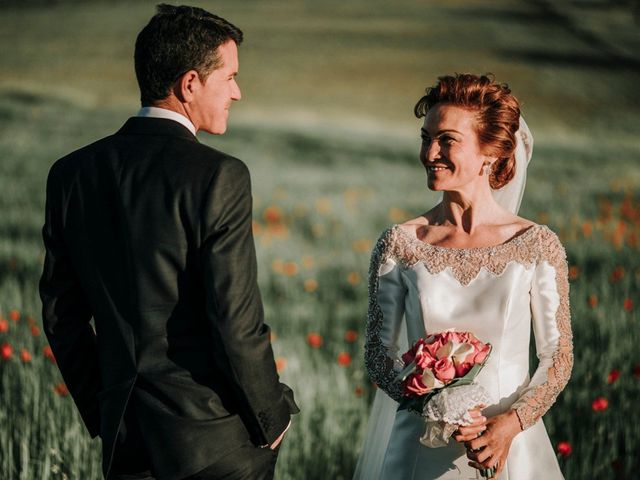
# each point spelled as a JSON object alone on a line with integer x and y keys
{"x": 187, "y": 86}
{"x": 488, "y": 162}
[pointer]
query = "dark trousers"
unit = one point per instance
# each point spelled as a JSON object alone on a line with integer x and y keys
{"x": 131, "y": 462}
{"x": 245, "y": 463}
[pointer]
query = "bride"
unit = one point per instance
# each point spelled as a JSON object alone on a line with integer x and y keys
{"x": 470, "y": 264}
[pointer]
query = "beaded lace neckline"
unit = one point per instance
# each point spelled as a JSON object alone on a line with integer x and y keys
{"x": 465, "y": 263}
{"x": 515, "y": 239}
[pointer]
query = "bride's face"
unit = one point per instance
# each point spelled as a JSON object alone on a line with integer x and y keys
{"x": 450, "y": 151}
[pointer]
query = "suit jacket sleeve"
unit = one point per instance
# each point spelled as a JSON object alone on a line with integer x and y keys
{"x": 234, "y": 307}
{"x": 66, "y": 313}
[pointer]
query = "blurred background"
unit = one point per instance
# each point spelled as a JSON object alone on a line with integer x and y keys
{"x": 326, "y": 126}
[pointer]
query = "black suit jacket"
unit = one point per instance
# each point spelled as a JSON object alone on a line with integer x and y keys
{"x": 148, "y": 232}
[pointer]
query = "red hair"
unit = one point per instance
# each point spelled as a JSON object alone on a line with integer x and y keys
{"x": 497, "y": 112}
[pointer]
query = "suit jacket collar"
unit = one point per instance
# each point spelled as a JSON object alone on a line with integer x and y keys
{"x": 157, "y": 127}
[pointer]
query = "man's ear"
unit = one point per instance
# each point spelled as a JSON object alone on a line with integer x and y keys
{"x": 187, "y": 86}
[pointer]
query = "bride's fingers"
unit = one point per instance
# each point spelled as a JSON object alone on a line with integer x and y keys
{"x": 477, "y": 422}
{"x": 481, "y": 457}
{"x": 476, "y": 412}
{"x": 469, "y": 434}
{"x": 467, "y": 437}
{"x": 475, "y": 445}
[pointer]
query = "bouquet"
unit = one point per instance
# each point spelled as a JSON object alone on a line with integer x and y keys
{"x": 438, "y": 382}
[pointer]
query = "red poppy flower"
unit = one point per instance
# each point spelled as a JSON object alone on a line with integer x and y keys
{"x": 617, "y": 274}
{"x": 310, "y": 285}
{"x": 4, "y": 326}
{"x": 48, "y": 354}
{"x": 358, "y": 391}
{"x": 272, "y": 214}
{"x": 61, "y": 389}
{"x": 351, "y": 336}
{"x": 314, "y": 340}
{"x": 35, "y": 331}
{"x": 593, "y": 301}
{"x": 574, "y": 272}
{"x": 600, "y": 404}
{"x": 344, "y": 359}
{"x": 564, "y": 449}
{"x": 628, "y": 304}
{"x": 6, "y": 351}
{"x": 14, "y": 315}
{"x": 25, "y": 356}
{"x": 613, "y": 376}
{"x": 290, "y": 269}
{"x": 281, "y": 363}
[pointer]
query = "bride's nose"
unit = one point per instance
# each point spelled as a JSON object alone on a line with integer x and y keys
{"x": 430, "y": 152}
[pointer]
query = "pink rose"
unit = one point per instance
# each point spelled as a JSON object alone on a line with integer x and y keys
{"x": 463, "y": 368}
{"x": 481, "y": 353}
{"x": 475, "y": 341}
{"x": 435, "y": 345}
{"x": 424, "y": 359}
{"x": 414, "y": 385}
{"x": 444, "y": 370}
{"x": 410, "y": 356}
{"x": 444, "y": 337}
{"x": 458, "y": 337}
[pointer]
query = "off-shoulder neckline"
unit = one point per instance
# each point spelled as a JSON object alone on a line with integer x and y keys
{"x": 520, "y": 236}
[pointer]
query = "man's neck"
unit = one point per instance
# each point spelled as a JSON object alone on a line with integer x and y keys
{"x": 161, "y": 111}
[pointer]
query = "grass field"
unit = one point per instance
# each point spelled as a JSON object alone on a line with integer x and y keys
{"x": 325, "y": 125}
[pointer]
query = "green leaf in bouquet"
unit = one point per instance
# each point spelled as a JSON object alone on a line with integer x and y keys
{"x": 406, "y": 371}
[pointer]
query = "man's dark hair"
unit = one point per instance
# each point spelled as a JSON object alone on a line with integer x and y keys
{"x": 176, "y": 40}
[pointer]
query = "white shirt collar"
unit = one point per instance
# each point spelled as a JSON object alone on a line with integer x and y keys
{"x": 157, "y": 112}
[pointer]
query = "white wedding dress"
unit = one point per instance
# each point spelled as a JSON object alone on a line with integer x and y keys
{"x": 498, "y": 293}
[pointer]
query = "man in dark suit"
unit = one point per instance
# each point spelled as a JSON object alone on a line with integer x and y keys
{"x": 148, "y": 232}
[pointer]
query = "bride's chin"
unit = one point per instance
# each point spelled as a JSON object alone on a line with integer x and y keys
{"x": 434, "y": 185}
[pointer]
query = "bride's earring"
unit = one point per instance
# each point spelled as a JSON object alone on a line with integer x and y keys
{"x": 487, "y": 168}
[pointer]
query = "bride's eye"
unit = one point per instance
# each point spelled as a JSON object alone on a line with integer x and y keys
{"x": 447, "y": 140}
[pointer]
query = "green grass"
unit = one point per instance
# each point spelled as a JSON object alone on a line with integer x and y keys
{"x": 325, "y": 125}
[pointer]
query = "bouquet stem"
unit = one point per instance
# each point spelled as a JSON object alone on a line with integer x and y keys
{"x": 488, "y": 472}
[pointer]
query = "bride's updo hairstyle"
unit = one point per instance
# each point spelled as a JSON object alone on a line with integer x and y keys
{"x": 497, "y": 113}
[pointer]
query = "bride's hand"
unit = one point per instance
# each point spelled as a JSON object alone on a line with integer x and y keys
{"x": 492, "y": 447}
{"x": 469, "y": 432}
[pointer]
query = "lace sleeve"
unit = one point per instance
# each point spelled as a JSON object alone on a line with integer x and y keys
{"x": 552, "y": 330}
{"x": 386, "y": 311}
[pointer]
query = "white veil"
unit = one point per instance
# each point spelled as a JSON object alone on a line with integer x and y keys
{"x": 383, "y": 410}
{"x": 510, "y": 195}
